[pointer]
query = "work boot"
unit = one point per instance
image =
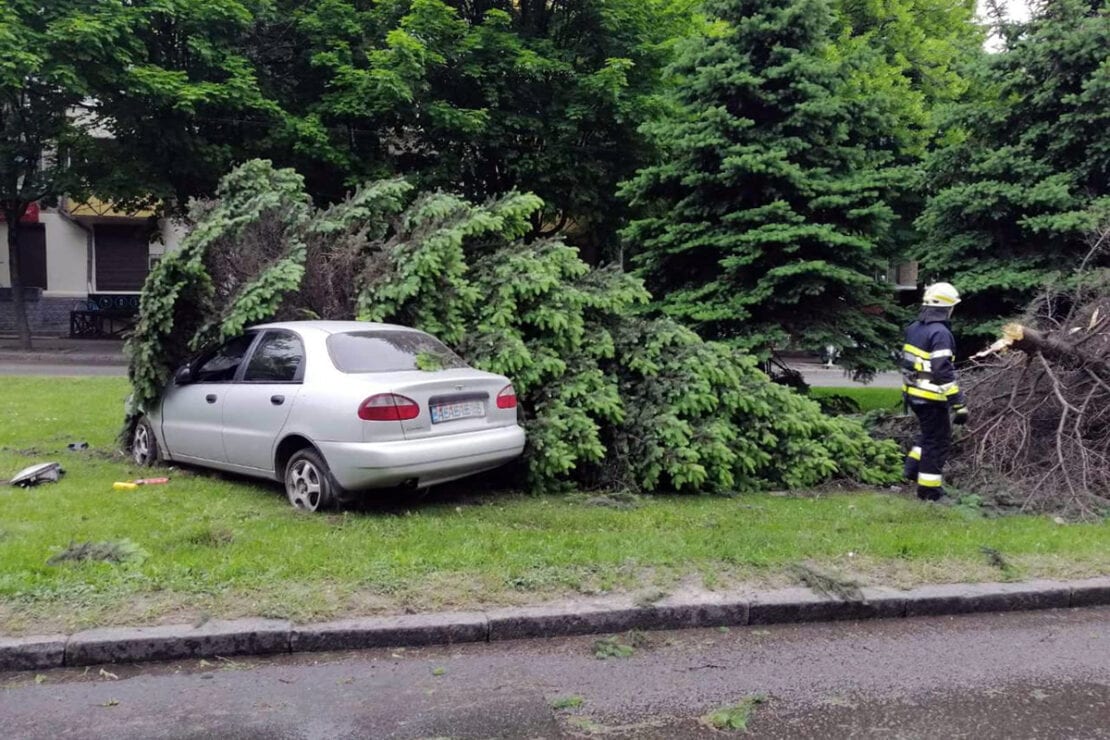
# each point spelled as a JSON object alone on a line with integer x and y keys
{"x": 909, "y": 470}
{"x": 930, "y": 494}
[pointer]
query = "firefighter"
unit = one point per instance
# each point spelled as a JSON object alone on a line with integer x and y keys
{"x": 930, "y": 388}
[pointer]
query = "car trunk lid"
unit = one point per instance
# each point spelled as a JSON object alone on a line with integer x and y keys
{"x": 452, "y": 402}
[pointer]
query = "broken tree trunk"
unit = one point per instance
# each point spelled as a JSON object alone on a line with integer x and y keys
{"x": 1062, "y": 350}
{"x": 1040, "y": 399}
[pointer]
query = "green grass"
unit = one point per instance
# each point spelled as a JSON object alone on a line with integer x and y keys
{"x": 868, "y": 399}
{"x": 211, "y": 547}
{"x": 567, "y": 702}
{"x": 735, "y": 718}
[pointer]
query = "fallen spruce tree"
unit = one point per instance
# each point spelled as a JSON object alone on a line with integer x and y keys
{"x": 611, "y": 397}
{"x": 1040, "y": 436}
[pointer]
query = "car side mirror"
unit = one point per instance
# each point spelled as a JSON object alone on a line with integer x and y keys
{"x": 183, "y": 376}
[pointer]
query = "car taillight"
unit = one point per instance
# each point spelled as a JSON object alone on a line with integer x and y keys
{"x": 388, "y": 407}
{"x": 506, "y": 399}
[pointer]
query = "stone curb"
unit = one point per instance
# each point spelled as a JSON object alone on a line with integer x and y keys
{"x": 679, "y": 611}
{"x": 409, "y": 630}
{"x": 29, "y": 653}
{"x": 175, "y": 641}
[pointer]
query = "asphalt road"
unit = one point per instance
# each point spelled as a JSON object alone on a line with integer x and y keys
{"x": 1021, "y": 675}
{"x": 819, "y": 376}
{"x": 815, "y": 375}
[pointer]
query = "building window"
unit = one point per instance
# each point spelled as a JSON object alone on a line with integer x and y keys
{"x": 122, "y": 257}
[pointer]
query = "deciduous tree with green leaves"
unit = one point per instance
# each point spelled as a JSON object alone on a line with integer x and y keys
{"x": 1025, "y": 176}
{"x": 907, "y": 63}
{"x": 477, "y": 97}
{"x": 131, "y": 101}
{"x": 181, "y": 104}
{"x": 44, "y": 51}
{"x": 762, "y": 223}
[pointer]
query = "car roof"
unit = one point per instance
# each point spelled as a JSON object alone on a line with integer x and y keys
{"x": 333, "y": 327}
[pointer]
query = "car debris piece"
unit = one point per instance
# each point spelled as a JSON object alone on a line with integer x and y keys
{"x": 131, "y": 485}
{"x": 49, "y": 472}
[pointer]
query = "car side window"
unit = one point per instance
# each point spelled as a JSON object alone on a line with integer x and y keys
{"x": 221, "y": 365}
{"x": 278, "y": 358}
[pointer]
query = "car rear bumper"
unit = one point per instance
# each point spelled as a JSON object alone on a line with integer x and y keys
{"x": 362, "y": 465}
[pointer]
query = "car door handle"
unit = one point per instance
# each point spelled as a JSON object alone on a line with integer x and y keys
{"x": 277, "y": 400}
{"x": 211, "y": 398}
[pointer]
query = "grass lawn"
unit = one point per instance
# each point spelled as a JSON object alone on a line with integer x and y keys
{"x": 209, "y": 546}
{"x": 868, "y": 399}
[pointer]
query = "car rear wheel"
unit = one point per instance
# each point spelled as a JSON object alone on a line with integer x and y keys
{"x": 144, "y": 447}
{"x": 308, "y": 483}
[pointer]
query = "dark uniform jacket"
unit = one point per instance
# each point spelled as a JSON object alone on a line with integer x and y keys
{"x": 929, "y": 360}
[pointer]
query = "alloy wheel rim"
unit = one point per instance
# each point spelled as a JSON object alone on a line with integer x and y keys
{"x": 304, "y": 485}
{"x": 140, "y": 445}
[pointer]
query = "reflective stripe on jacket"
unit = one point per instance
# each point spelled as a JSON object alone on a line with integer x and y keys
{"x": 928, "y": 360}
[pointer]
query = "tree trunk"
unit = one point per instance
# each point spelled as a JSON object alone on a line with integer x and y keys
{"x": 19, "y": 307}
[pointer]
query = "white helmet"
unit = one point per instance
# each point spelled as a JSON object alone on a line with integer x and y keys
{"x": 941, "y": 294}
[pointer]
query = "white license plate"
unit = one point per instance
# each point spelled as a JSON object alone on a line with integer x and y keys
{"x": 442, "y": 412}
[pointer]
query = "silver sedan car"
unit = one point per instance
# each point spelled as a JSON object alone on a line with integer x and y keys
{"x": 330, "y": 408}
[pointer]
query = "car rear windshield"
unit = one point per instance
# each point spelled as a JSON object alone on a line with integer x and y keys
{"x": 390, "y": 351}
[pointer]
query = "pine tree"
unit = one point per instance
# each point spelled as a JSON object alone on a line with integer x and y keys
{"x": 1025, "y": 178}
{"x": 763, "y": 220}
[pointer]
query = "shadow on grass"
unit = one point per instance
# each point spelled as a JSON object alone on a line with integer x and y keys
{"x": 475, "y": 491}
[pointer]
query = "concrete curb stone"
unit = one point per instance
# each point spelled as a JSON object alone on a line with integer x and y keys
{"x": 937, "y": 600}
{"x": 177, "y": 641}
{"x": 371, "y": 632}
{"x": 1031, "y": 595}
{"x": 565, "y": 620}
{"x": 969, "y": 598}
{"x": 802, "y": 605}
{"x": 29, "y": 653}
{"x": 1091, "y": 592}
{"x": 690, "y": 609}
{"x": 699, "y": 609}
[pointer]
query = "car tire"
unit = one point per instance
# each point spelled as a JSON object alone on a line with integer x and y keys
{"x": 144, "y": 445}
{"x": 308, "y": 482}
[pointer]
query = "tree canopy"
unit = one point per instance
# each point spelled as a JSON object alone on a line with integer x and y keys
{"x": 120, "y": 100}
{"x": 1025, "y": 175}
{"x": 43, "y": 54}
{"x": 763, "y": 222}
{"x": 478, "y": 97}
{"x": 772, "y": 150}
{"x": 180, "y": 103}
{"x": 907, "y": 63}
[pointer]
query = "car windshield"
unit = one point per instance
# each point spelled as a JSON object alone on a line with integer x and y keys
{"x": 390, "y": 351}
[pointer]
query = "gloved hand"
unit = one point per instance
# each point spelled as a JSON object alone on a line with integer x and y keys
{"x": 961, "y": 415}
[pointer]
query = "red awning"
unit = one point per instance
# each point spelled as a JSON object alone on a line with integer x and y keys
{"x": 31, "y": 216}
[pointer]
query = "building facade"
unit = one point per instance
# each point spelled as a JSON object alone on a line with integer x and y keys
{"x": 82, "y": 258}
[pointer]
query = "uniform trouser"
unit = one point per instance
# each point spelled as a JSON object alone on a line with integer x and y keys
{"x": 925, "y": 462}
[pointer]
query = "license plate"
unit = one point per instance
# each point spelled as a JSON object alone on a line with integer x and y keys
{"x": 442, "y": 412}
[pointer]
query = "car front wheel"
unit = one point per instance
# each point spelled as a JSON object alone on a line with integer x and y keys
{"x": 144, "y": 447}
{"x": 308, "y": 483}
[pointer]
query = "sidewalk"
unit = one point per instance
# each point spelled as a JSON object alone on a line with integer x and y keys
{"x": 60, "y": 352}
